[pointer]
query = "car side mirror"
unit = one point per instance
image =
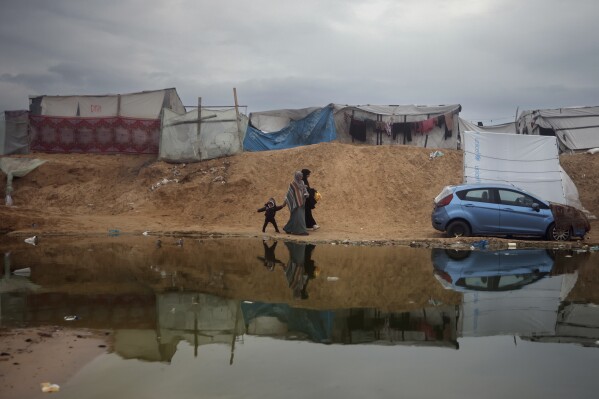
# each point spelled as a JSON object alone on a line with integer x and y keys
{"x": 536, "y": 207}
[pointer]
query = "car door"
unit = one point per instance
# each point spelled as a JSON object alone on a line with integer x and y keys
{"x": 517, "y": 215}
{"x": 480, "y": 210}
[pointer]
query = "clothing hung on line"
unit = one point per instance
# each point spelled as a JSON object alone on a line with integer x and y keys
{"x": 357, "y": 129}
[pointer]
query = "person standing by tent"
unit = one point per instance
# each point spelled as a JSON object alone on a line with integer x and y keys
{"x": 296, "y": 201}
{"x": 310, "y": 201}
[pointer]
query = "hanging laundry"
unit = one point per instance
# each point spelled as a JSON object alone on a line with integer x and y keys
{"x": 402, "y": 128}
{"x": 357, "y": 129}
{"x": 426, "y": 126}
{"x": 448, "y": 125}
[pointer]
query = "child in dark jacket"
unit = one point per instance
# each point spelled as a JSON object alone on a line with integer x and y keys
{"x": 270, "y": 209}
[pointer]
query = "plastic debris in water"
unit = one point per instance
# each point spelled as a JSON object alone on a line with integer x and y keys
{"x": 482, "y": 244}
{"x": 332, "y": 278}
{"x": 71, "y": 318}
{"x": 114, "y": 232}
{"x": 48, "y": 387}
{"x": 32, "y": 240}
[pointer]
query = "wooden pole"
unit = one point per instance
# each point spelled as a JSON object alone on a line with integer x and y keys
{"x": 199, "y": 126}
{"x": 237, "y": 113}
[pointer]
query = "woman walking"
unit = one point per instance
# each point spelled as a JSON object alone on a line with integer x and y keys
{"x": 296, "y": 201}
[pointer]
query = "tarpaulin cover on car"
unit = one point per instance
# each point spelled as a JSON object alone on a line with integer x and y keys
{"x": 567, "y": 217}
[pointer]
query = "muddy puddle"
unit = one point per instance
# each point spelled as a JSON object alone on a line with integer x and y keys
{"x": 205, "y": 317}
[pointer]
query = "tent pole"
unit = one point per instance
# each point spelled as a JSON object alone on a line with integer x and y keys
{"x": 199, "y": 126}
{"x": 237, "y": 112}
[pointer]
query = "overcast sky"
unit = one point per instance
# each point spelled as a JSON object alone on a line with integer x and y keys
{"x": 490, "y": 56}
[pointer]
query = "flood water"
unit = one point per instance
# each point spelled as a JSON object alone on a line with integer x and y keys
{"x": 243, "y": 318}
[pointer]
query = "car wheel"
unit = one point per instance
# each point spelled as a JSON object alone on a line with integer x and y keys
{"x": 555, "y": 234}
{"x": 458, "y": 228}
{"x": 457, "y": 254}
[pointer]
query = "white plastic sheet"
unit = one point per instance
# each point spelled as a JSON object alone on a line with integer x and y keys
{"x": 530, "y": 162}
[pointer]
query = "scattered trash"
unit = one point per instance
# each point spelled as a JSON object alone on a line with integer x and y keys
{"x": 25, "y": 272}
{"x": 114, "y": 232}
{"x": 145, "y": 233}
{"x": 568, "y": 256}
{"x": 482, "y": 244}
{"x": 511, "y": 245}
{"x": 594, "y": 248}
{"x": 8, "y": 200}
{"x": 71, "y": 318}
{"x": 434, "y": 302}
{"x": 32, "y": 240}
{"x": 435, "y": 154}
{"x": 162, "y": 183}
{"x": 332, "y": 278}
{"x": 48, "y": 387}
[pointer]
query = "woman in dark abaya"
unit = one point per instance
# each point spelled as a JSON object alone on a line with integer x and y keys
{"x": 296, "y": 201}
{"x": 310, "y": 201}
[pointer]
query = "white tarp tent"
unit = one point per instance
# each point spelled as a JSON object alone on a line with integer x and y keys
{"x": 220, "y": 134}
{"x": 417, "y": 125}
{"x": 509, "y": 127}
{"x": 14, "y": 135}
{"x": 576, "y": 128}
{"x": 528, "y": 162}
{"x": 145, "y": 105}
{"x": 273, "y": 121}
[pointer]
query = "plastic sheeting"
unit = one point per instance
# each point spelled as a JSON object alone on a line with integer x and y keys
{"x": 530, "y": 310}
{"x": 272, "y": 121}
{"x": 14, "y": 138}
{"x": 218, "y": 136}
{"x": 16, "y": 167}
{"x": 147, "y": 105}
{"x": 576, "y": 128}
{"x": 438, "y": 137}
{"x": 317, "y": 127}
{"x": 528, "y": 162}
{"x": 500, "y": 128}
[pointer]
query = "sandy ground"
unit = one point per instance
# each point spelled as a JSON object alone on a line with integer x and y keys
{"x": 32, "y": 356}
{"x": 368, "y": 192}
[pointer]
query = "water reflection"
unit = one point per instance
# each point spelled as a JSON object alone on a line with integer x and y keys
{"x": 502, "y": 270}
{"x": 219, "y": 291}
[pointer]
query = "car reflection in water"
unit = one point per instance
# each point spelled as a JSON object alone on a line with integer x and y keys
{"x": 502, "y": 270}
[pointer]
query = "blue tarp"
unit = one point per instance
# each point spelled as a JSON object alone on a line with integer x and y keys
{"x": 317, "y": 324}
{"x": 317, "y": 127}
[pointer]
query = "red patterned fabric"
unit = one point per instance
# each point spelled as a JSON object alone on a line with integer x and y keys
{"x": 110, "y": 135}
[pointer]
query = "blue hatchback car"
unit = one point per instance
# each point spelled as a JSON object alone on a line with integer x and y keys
{"x": 496, "y": 209}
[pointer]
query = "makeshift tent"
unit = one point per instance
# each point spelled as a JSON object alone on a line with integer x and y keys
{"x": 185, "y": 138}
{"x": 14, "y": 137}
{"x": 417, "y": 125}
{"x": 528, "y": 162}
{"x": 16, "y": 167}
{"x": 576, "y": 128}
{"x": 128, "y": 123}
{"x": 316, "y": 126}
{"x": 509, "y": 127}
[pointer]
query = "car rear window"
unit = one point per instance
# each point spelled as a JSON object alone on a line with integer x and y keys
{"x": 476, "y": 195}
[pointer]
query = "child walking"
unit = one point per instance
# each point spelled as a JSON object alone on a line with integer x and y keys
{"x": 270, "y": 209}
